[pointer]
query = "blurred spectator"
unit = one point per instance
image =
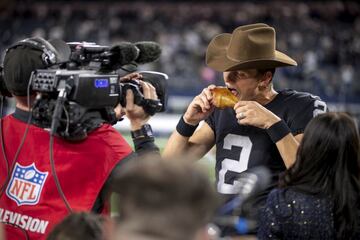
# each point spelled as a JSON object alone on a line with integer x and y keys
{"x": 319, "y": 195}
{"x": 164, "y": 200}
{"x": 82, "y": 225}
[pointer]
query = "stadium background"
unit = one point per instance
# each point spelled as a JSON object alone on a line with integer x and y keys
{"x": 322, "y": 36}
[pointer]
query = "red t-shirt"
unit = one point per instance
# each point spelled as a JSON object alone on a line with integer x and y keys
{"x": 31, "y": 200}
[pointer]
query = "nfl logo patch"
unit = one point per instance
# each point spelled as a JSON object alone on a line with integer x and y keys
{"x": 26, "y": 184}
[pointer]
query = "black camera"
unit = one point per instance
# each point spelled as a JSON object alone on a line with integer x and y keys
{"x": 77, "y": 95}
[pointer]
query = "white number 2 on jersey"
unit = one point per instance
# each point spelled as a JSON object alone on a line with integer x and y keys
{"x": 234, "y": 165}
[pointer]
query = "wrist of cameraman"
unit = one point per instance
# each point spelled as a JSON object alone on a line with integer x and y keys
{"x": 137, "y": 124}
{"x": 144, "y": 141}
{"x": 145, "y": 145}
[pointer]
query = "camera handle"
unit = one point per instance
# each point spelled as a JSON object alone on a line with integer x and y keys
{"x": 150, "y": 106}
{"x": 64, "y": 88}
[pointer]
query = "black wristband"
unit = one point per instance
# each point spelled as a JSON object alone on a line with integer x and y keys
{"x": 185, "y": 129}
{"x": 145, "y": 145}
{"x": 278, "y": 131}
{"x": 144, "y": 131}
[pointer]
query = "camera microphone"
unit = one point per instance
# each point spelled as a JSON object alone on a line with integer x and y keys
{"x": 123, "y": 53}
{"x": 248, "y": 183}
{"x": 253, "y": 180}
{"x": 241, "y": 224}
{"x": 148, "y": 52}
{"x": 141, "y": 52}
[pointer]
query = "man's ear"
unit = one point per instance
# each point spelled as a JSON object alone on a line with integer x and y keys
{"x": 265, "y": 80}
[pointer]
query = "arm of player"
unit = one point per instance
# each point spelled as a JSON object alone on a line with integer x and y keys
{"x": 288, "y": 147}
{"x": 202, "y": 140}
{"x": 253, "y": 114}
{"x": 192, "y": 148}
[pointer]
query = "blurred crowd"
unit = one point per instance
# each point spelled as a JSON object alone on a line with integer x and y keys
{"x": 324, "y": 37}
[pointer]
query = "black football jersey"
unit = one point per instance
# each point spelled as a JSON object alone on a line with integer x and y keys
{"x": 239, "y": 147}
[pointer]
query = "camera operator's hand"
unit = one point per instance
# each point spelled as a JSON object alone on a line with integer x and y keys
{"x": 119, "y": 110}
{"x": 136, "y": 114}
{"x": 131, "y": 76}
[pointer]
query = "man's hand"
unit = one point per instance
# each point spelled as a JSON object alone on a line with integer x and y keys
{"x": 200, "y": 107}
{"x": 253, "y": 114}
{"x": 119, "y": 110}
{"x": 135, "y": 113}
{"x": 131, "y": 76}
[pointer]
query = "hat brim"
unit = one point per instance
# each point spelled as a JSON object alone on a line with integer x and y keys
{"x": 217, "y": 59}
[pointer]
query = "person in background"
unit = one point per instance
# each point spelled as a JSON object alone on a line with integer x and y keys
{"x": 164, "y": 200}
{"x": 82, "y": 225}
{"x": 319, "y": 196}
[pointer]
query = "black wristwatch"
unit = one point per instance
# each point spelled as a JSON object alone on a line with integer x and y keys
{"x": 144, "y": 132}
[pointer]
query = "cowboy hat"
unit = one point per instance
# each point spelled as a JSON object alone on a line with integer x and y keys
{"x": 248, "y": 47}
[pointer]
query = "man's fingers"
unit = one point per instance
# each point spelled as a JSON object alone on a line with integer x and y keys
{"x": 243, "y": 103}
{"x": 131, "y": 76}
{"x": 207, "y": 92}
{"x": 242, "y": 113}
{"x": 241, "y": 109}
{"x": 118, "y": 111}
{"x": 243, "y": 121}
{"x": 129, "y": 99}
{"x": 202, "y": 102}
{"x": 149, "y": 90}
{"x": 145, "y": 89}
{"x": 152, "y": 91}
{"x": 205, "y": 101}
{"x": 212, "y": 86}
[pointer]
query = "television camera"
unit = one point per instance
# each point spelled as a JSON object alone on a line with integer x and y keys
{"x": 77, "y": 95}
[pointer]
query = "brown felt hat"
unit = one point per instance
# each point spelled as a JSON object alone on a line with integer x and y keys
{"x": 248, "y": 47}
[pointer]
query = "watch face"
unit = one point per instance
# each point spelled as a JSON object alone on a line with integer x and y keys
{"x": 144, "y": 131}
{"x": 148, "y": 130}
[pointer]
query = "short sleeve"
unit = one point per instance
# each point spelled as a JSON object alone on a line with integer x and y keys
{"x": 211, "y": 121}
{"x": 306, "y": 109}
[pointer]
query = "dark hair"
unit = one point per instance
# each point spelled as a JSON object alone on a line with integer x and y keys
{"x": 264, "y": 70}
{"x": 18, "y": 65}
{"x": 328, "y": 162}
{"x": 261, "y": 72}
{"x": 79, "y": 226}
{"x": 169, "y": 199}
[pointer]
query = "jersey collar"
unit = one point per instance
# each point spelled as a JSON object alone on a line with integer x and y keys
{"x": 21, "y": 115}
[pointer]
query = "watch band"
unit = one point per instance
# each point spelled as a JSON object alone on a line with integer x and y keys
{"x": 143, "y": 132}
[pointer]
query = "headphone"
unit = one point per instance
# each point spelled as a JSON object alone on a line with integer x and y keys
{"x": 3, "y": 89}
{"x": 49, "y": 57}
{"x": 49, "y": 53}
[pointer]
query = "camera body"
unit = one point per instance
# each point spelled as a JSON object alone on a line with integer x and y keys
{"x": 76, "y": 95}
{"x": 88, "y": 88}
